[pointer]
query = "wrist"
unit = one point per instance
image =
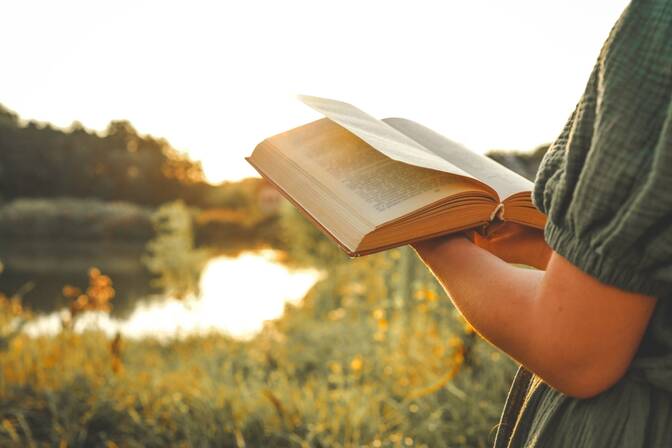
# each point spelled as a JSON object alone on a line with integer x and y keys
{"x": 443, "y": 246}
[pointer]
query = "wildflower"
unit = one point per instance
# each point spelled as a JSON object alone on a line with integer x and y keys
{"x": 71, "y": 292}
{"x": 10, "y": 429}
{"x": 455, "y": 342}
{"x": 15, "y": 306}
{"x": 96, "y": 298}
{"x": 335, "y": 367}
{"x": 337, "y": 314}
{"x": 458, "y": 357}
{"x": 356, "y": 364}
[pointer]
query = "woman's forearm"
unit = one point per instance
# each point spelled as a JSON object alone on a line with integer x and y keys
{"x": 495, "y": 297}
{"x": 553, "y": 322}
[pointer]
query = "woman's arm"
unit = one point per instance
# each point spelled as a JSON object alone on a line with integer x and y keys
{"x": 576, "y": 333}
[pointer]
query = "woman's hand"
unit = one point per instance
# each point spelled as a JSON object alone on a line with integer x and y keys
{"x": 514, "y": 243}
{"x": 511, "y": 242}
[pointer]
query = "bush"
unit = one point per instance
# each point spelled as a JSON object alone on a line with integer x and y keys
{"x": 74, "y": 219}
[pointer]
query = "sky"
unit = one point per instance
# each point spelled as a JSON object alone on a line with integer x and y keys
{"x": 216, "y": 77}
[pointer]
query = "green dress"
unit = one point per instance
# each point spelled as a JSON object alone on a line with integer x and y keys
{"x": 606, "y": 186}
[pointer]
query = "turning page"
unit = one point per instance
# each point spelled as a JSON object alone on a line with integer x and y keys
{"x": 504, "y": 181}
{"x": 381, "y": 135}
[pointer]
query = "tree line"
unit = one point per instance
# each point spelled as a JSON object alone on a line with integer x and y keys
{"x": 39, "y": 160}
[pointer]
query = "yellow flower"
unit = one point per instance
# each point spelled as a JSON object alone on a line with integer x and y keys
{"x": 71, "y": 291}
{"x": 81, "y": 302}
{"x": 455, "y": 342}
{"x": 335, "y": 367}
{"x": 438, "y": 351}
{"x": 357, "y": 363}
{"x": 9, "y": 428}
{"x": 458, "y": 358}
{"x": 15, "y": 304}
{"x": 337, "y": 314}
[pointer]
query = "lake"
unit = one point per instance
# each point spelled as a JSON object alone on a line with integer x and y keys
{"x": 236, "y": 295}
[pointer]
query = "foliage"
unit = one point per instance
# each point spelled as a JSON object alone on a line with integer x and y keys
{"x": 303, "y": 243}
{"x": 96, "y": 297}
{"x": 230, "y": 230}
{"x": 13, "y": 316}
{"x": 234, "y": 219}
{"x": 38, "y": 160}
{"x": 172, "y": 255}
{"x": 374, "y": 356}
{"x": 74, "y": 220}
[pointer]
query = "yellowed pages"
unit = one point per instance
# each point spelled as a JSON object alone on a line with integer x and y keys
{"x": 376, "y": 187}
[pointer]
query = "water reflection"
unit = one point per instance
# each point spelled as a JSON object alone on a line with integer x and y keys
{"x": 37, "y": 270}
{"x": 236, "y": 296}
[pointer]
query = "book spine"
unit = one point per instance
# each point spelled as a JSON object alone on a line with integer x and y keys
{"x": 496, "y": 215}
{"x": 497, "y": 212}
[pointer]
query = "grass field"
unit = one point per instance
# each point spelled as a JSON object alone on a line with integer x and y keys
{"x": 374, "y": 356}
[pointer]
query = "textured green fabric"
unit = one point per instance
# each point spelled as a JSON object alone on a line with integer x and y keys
{"x": 606, "y": 186}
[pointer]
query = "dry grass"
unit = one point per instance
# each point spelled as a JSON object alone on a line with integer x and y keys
{"x": 344, "y": 369}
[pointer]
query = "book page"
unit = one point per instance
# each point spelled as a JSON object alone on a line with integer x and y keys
{"x": 381, "y": 136}
{"x": 377, "y": 187}
{"x": 504, "y": 181}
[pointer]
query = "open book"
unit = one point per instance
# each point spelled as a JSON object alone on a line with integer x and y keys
{"x": 376, "y": 184}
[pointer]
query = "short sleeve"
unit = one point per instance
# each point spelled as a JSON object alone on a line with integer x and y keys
{"x": 606, "y": 182}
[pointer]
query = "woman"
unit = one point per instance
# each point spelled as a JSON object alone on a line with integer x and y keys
{"x": 595, "y": 324}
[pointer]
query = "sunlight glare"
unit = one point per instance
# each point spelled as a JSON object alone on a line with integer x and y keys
{"x": 237, "y": 296}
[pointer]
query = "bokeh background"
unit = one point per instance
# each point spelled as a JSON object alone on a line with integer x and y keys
{"x": 155, "y": 292}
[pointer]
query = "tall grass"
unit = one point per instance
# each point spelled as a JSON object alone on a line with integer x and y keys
{"x": 374, "y": 356}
